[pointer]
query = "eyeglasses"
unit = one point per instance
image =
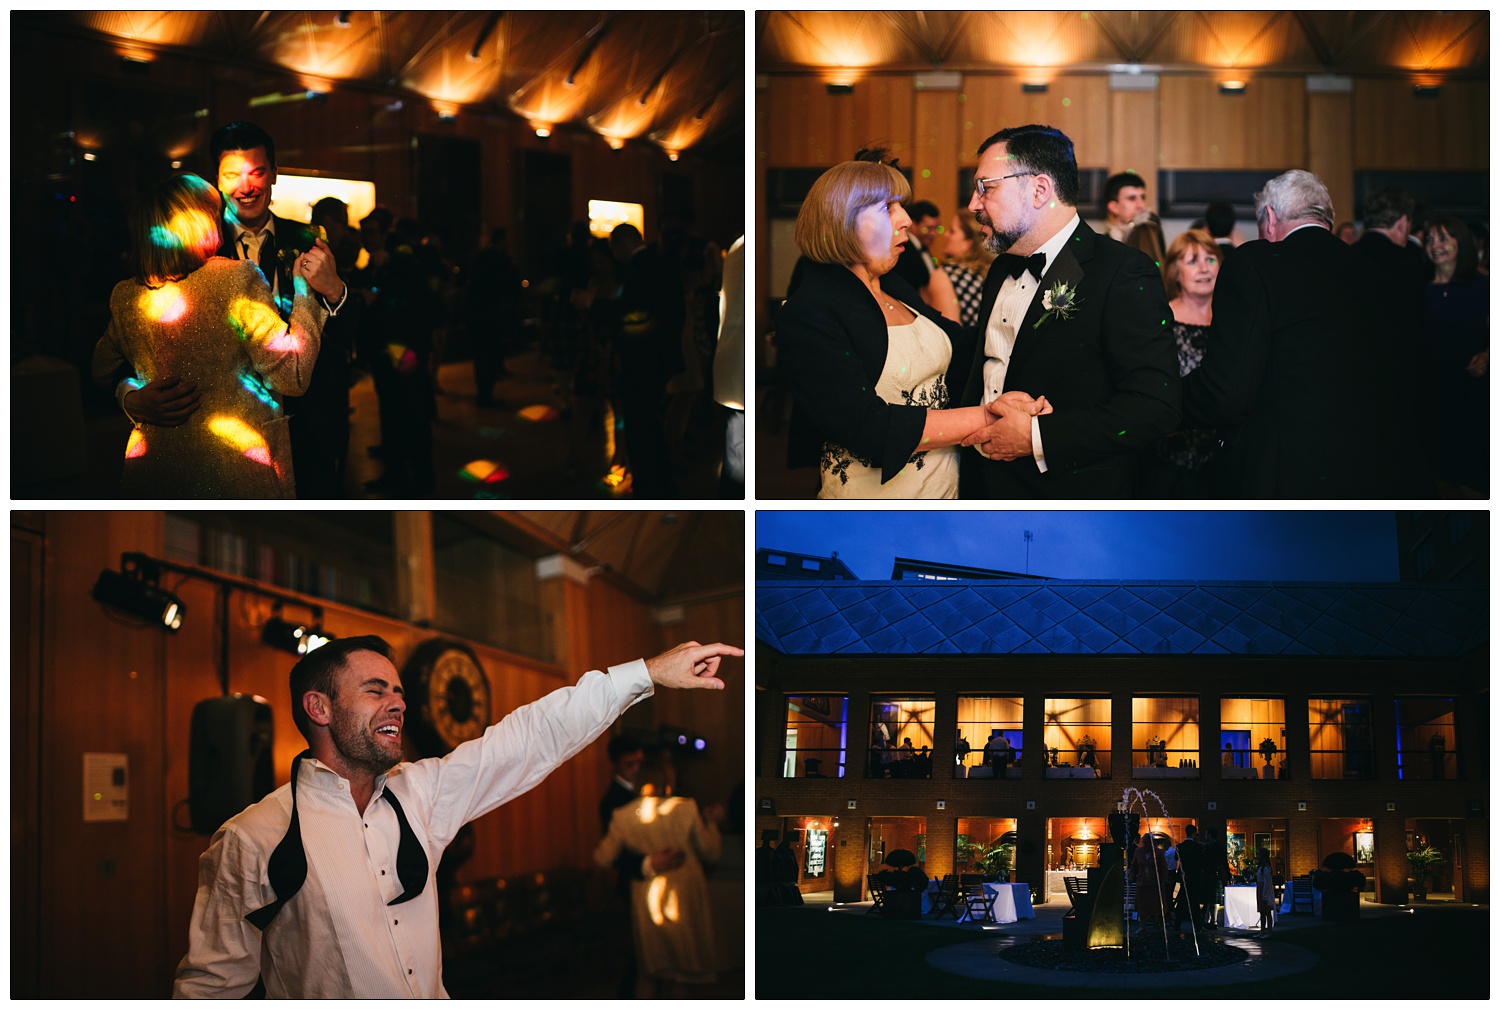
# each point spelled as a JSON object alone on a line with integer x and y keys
{"x": 979, "y": 183}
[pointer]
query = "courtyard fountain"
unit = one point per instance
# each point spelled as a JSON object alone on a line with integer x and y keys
{"x": 1108, "y": 923}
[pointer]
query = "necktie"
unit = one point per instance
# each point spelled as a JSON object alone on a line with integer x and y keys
{"x": 287, "y": 867}
{"x": 1015, "y": 266}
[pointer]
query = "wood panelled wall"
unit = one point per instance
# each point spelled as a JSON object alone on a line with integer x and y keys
{"x": 1184, "y": 124}
{"x": 115, "y": 898}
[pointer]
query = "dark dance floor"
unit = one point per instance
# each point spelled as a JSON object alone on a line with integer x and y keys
{"x": 548, "y": 445}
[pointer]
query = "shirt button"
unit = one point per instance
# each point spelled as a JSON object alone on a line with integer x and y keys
{"x": 408, "y": 971}
{"x": 397, "y": 922}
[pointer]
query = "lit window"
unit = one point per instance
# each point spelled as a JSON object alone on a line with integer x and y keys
{"x": 900, "y": 738}
{"x": 1427, "y": 747}
{"x": 979, "y": 719}
{"x": 1164, "y": 738}
{"x": 1341, "y": 738}
{"x": 816, "y": 736}
{"x": 1076, "y": 735}
{"x": 1252, "y": 738}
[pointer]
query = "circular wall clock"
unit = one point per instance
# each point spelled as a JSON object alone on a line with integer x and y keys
{"x": 449, "y": 695}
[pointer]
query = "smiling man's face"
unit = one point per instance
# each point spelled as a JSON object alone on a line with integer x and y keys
{"x": 368, "y": 712}
{"x": 245, "y": 179}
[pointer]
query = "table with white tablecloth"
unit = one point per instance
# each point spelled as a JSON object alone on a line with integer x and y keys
{"x": 1008, "y": 902}
{"x": 1070, "y": 772}
{"x": 1240, "y": 911}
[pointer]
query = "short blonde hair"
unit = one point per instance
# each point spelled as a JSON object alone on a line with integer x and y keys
{"x": 826, "y": 223}
{"x": 1180, "y": 246}
{"x": 176, "y": 228}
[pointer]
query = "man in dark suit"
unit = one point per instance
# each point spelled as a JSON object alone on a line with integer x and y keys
{"x": 1289, "y": 381}
{"x": 1070, "y": 317}
{"x": 653, "y": 311}
{"x": 1398, "y": 346}
{"x": 627, "y": 755}
{"x": 245, "y": 157}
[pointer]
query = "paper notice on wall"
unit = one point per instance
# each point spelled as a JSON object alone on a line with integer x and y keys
{"x": 106, "y": 789}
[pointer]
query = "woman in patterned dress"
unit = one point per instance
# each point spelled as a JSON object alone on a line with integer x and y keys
{"x": 1177, "y": 467}
{"x": 966, "y": 262}
{"x": 866, "y": 360}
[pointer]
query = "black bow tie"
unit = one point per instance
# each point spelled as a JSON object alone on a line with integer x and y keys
{"x": 1015, "y": 266}
{"x": 287, "y": 868}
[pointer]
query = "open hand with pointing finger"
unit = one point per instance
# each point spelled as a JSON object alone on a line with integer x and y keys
{"x": 691, "y": 665}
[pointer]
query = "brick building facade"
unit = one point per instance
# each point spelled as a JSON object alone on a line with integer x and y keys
{"x": 1374, "y": 696}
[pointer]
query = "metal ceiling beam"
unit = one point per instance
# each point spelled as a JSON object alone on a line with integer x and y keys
{"x": 484, "y": 33}
{"x": 923, "y": 46}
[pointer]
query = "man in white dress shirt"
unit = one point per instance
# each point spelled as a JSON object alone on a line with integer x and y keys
{"x": 325, "y": 888}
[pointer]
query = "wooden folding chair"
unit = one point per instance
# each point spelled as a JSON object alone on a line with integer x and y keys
{"x": 946, "y": 900}
{"x": 877, "y": 894}
{"x": 977, "y": 904}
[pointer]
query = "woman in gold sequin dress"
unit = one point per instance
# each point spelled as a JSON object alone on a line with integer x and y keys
{"x": 210, "y": 321}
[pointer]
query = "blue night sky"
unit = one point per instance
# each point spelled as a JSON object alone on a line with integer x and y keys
{"x": 1199, "y": 545}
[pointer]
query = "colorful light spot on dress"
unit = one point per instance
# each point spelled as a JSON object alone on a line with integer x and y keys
{"x": 136, "y": 447}
{"x": 242, "y": 437}
{"x": 254, "y": 320}
{"x": 537, "y": 412}
{"x": 286, "y": 343}
{"x": 164, "y": 304}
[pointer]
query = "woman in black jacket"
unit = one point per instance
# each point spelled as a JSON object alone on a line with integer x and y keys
{"x": 865, "y": 359}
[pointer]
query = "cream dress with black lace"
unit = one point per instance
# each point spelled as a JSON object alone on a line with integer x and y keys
{"x": 916, "y": 364}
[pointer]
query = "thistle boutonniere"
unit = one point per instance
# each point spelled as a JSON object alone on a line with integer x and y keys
{"x": 297, "y": 244}
{"x": 1060, "y": 300}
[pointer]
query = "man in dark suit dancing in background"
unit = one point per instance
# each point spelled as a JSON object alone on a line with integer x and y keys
{"x": 1076, "y": 320}
{"x": 627, "y": 755}
{"x": 1290, "y": 378}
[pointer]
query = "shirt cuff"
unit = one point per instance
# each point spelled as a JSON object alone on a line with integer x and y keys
{"x": 124, "y": 389}
{"x": 632, "y": 680}
{"x": 333, "y": 310}
{"x": 1036, "y": 444}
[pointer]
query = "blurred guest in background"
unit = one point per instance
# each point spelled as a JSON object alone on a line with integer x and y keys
{"x": 966, "y": 261}
{"x": 1458, "y": 338}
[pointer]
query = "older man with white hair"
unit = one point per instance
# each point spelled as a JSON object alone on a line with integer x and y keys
{"x": 1289, "y": 377}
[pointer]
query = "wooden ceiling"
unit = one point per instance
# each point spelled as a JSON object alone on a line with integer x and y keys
{"x": 1367, "y": 43}
{"x": 674, "y": 77}
{"x": 667, "y": 556}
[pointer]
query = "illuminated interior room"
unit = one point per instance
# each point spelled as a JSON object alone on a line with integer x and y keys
{"x": 479, "y": 356}
{"x": 129, "y": 629}
{"x": 1201, "y": 105}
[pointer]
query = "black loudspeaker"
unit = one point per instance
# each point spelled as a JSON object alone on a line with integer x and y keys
{"x": 229, "y": 758}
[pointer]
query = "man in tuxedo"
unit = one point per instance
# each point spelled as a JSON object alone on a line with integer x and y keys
{"x": 1290, "y": 380}
{"x": 1070, "y": 317}
{"x": 245, "y": 157}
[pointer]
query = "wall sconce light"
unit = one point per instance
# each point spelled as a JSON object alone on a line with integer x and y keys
{"x": 1302, "y": 806}
{"x": 1390, "y": 808}
{"x": 135, "y": 65}
{"x": 543, "y": 130}
{"x": 841, "y": 89}
{"x": 615, "y": 143}
{"x": 135, "y": 590}
{"x": 942, "y": 804}
{"x": 1231, "y": 87}
{"x": 672, "y": 155}
{"x": 1426, "y": 91}
{"x": 1033, "y": 89}
{"x": 853, "y": 804}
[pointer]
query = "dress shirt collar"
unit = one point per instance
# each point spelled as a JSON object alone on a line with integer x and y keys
{"x": 259, "y": 234}
{"x": 1054, "y": 245}
{"x": 627, "y": 786}
{"x": 316, "y": 775}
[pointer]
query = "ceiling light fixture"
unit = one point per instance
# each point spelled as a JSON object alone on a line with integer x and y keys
{"x": 298, "y": 639}
{"x": 1231, "y": 87}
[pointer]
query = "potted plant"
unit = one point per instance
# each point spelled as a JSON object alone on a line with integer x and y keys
{"x": 1267, "y": 750}
{"x": 1423, "y": 861}
{"x": 904, "y": 884}
{"x": 994, "y": 860}
{"x": 1340, "y": 884}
